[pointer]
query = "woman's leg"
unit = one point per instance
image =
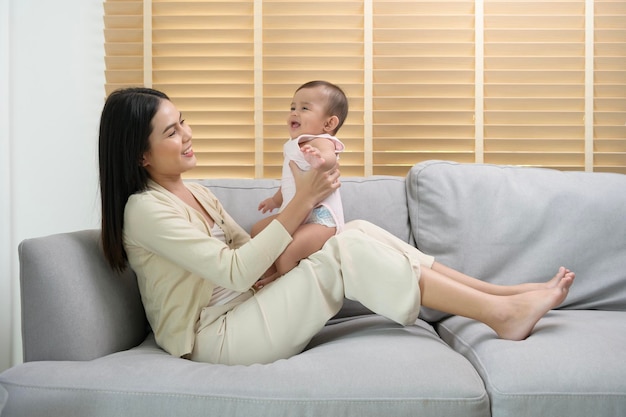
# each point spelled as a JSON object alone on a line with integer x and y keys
{"x": 277, "y": 322}
{"x": 510, "y": 316}
{"x": 511, "y": 311}
{"x": 280, "y": 319}
{"x": 387, "y": 275}
{"x": 498, "y": 289}
{"x": 427, "y": 261}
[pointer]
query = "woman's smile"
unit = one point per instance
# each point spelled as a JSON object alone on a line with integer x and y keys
{"x": 188, "y": 152}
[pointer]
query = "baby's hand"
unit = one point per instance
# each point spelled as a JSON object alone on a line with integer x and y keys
{"x": 267, "y": 205}
{"x": 265, "y": 280}
{"x": 313, "y": 156}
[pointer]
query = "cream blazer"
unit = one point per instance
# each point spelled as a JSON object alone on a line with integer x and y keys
{"x": 178, "y": 263}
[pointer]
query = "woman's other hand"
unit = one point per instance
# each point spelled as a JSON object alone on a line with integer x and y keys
{"x": 314, "y": 183}
{"x": 312, "y": 187}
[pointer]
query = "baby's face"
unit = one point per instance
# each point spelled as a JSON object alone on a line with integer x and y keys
{"x": 308, "y": 112}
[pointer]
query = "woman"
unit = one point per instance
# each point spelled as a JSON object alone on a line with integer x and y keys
{"x": 196, "y": 268}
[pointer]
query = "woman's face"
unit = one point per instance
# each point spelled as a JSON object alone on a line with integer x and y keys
{"x": 170, "y": 152}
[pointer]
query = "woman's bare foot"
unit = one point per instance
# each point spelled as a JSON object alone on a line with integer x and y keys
{"x": 518, "y": 314}
{"x": 554, "y": 281}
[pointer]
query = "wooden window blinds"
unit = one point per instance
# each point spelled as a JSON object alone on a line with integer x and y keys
{"x": 538, "y": 83}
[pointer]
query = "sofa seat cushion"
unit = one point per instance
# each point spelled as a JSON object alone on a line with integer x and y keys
{"x": 574, "y": 364}
{"x": 366, "y": 366}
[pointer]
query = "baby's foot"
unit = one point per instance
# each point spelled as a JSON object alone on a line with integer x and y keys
{"x": 312, "y": 156}
{"x": 520, "y": 313}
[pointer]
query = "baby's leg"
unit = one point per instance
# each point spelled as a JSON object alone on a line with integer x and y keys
{"x": 309, "y": 238}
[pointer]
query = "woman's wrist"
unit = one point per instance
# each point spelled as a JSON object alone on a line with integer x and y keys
{"x": 311, "y": 188}
{"x": 296, "y": 211}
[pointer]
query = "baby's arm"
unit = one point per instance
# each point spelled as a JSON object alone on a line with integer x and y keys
{"x": 320, "y": 153}
{"x": 269, "y": 204}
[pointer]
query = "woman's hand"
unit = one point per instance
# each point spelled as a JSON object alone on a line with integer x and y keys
{"x": 312, "y": 187}
{"x": 316, "y": 184}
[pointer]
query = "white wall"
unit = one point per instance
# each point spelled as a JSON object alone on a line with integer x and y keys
{"x": 51, "y": 95}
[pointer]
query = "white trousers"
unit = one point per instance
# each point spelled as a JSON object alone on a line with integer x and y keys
{"x": 363, "y": 263}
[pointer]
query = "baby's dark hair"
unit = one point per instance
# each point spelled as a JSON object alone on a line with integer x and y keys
{"x": 337, "y": 100}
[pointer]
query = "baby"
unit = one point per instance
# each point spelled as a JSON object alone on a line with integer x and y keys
{"x": 318, "y": 110}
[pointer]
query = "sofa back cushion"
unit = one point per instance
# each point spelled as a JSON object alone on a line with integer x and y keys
{"x": 378, "y": 199}
{"x": 508, "y": 225}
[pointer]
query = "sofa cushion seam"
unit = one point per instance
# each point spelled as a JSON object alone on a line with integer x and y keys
{"x": 477, "y": 400}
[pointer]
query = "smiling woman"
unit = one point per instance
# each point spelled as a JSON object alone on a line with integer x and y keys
{"x": 144, "y": 143}
{"x": 197, "y": 269}
{"x": 170, "y": 153}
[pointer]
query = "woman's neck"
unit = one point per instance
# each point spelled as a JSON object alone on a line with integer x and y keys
{"x": 174, "y": 185}
{"x": 180, "y": 190}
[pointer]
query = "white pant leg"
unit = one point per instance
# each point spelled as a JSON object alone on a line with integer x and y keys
{"x": 279, "y": 320}
{"x": 384, "y": 236}
{"x": 364, "y": 263}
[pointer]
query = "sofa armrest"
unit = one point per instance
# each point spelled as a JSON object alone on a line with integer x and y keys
{"x": 74, "y": 306}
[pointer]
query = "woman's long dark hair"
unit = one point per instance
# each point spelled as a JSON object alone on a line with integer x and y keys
{"x": 125, "y": 128}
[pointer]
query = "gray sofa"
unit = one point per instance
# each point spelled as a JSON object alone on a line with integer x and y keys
{"x": 88, "y": 351}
